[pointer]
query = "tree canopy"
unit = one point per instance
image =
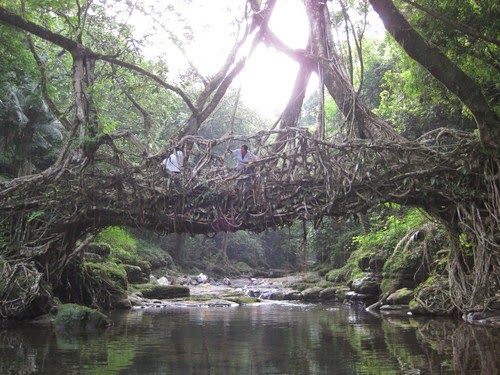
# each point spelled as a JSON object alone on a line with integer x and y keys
{"x": 121, "y": 113}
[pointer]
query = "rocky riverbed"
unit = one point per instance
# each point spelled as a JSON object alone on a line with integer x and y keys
{"x": 243, "y": 290}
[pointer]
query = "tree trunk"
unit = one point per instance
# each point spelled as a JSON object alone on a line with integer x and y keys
{"x": 25, "y": 164}
{"x": 223, "y": 248}
{"x": 178, "y": 255}
{"x": 360, "y": 121}
{"x": 443, "y": 69}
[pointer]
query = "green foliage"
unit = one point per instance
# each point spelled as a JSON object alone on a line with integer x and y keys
{"x": 151, "y": 252}
{"x": 331, "y": 242}
{"x": 34, "y": 215}
{"x": 30, "y": 136}
{"x": 388, "y": 233}
{"x": 376, "y": 63}
{"x": 241, "y": 247}
{"x": 389, "y": 224}
{"x": 246, "y": 247}
{"x": 17, "y": 66}
{"x": 410, "y": 98}
{"x": 122, "y": 244}
{"x": 476, "y": 56}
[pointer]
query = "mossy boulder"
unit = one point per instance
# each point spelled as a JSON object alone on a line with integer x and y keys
{"x": 364, "y": 262}
{"x": 400, "y": 297}
{"x": 156, "y": 291}
{"x": 103, "y": 250}
{"x": 72, "y": 317}
{"x": 433, "y": 297}
{"x": 312, "y": 294}
{"x": 410, "y": 263}
{"x": 108, "y": 283}
{"x": 135, "y": 274}
{"x": 109, "y": 272}
{"x": 336, "y": 276}
{"x": 403, "y": 270}
{"x": 368, "y": 285}
{"x": 328, "y": 294}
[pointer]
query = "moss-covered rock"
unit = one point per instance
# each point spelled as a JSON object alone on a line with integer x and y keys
{"x": 108, "y": 283}
{"x": 135, "y": 275}
{"x": 109, "y": 272}
{"x": 153, "y": 291}
{"x": 336, "y": 276}
{"x": 368, "y": 284}
{"x": 75, "y": 317}
{"x": 101, "y": 249}
{"x": 328, "y": 294}
{"x": 242, "y": 300}
{"x": 312, "y": 294}
{"x": 410, "y": 263}
{"x": 433, "y": 297}
{"x": 400, "y": 297}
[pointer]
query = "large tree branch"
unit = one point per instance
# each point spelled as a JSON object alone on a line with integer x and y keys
{"x": 152, "y": 76}
{"x": 43, "y": 82}
{"x": 361, "y": 122}
{"x": 13, "y": 19}
{"x": 77, "y": 50}
{"x": 443, "y": 69}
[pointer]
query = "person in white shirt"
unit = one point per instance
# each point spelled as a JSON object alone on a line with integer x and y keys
{"x": 243, "y": 157}
{"x": 243, "y": 160}
{"x": 172, "y": 165}
{"x": 174, "y": 162}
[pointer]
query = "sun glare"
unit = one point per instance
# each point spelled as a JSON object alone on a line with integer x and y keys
{"x": 269, "y": 76}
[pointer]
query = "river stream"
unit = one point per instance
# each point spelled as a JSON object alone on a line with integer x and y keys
{"x": 265, "y": 338}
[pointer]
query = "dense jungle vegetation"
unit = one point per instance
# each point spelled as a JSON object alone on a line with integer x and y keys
{"x": 89, "y": 96}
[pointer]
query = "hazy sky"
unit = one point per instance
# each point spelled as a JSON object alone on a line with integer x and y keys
{"x": 268, "y": 78}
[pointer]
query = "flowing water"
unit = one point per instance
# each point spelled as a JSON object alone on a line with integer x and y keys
{"x": 267, "y": 338}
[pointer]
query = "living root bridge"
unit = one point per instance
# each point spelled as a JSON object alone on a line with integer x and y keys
{"x": 45, "y": 216}
{"x": 307, "y": 179}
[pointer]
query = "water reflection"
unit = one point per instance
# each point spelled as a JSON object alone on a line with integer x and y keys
{"x": 269, "y": 338}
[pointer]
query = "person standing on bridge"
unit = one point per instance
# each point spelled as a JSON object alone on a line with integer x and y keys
{"x": 243, "y": 157}
{"x": 243, "y": 160}
{"x": 172, "y": 165}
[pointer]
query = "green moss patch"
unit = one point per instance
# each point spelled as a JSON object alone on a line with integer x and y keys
{"x": 75, "y": 317}
{"x": 153, "y": 291}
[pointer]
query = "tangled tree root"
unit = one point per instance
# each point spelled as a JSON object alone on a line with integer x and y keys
{"x": 22, "y": 291}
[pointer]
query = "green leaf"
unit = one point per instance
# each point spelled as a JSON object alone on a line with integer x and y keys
{"x": 34, "y": 215}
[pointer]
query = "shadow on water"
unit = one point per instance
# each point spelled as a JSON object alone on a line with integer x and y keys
{"x": 268, "y": 338}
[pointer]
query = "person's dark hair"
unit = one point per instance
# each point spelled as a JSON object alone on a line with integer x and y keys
{"x": 245, "y": 147}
